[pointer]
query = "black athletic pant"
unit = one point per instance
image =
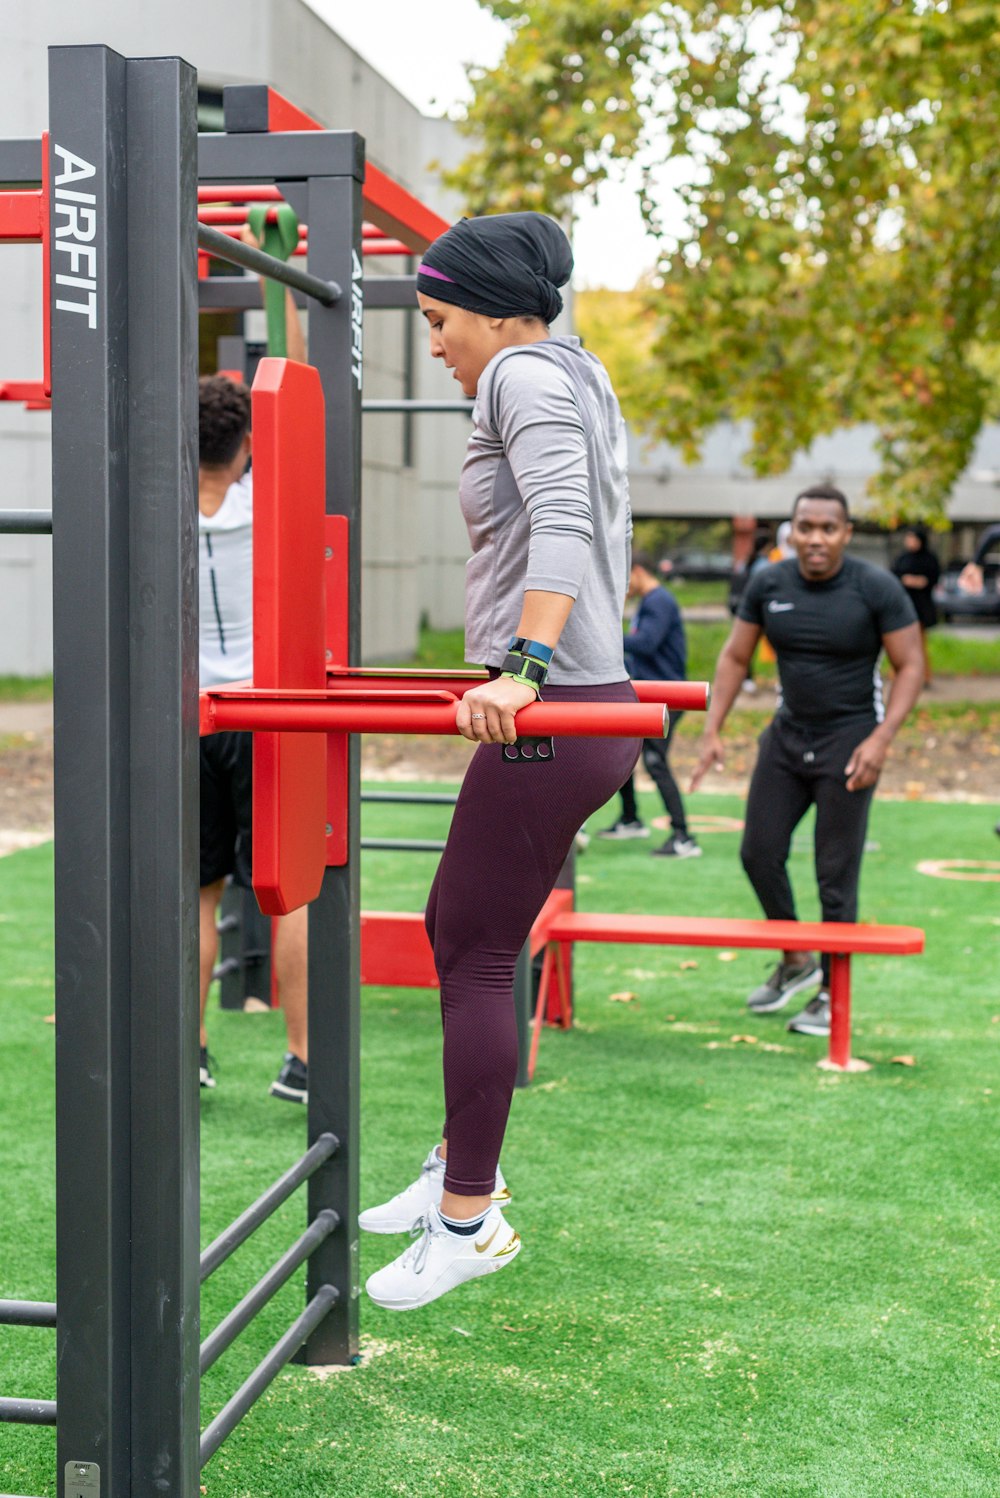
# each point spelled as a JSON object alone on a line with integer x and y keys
{"x": 798, "y": 767}
{"x": 656, "y": 762}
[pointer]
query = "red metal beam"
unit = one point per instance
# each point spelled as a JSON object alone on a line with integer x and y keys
{"x": 397, "y": 212}
{"x": 390, "y": 206}
{"x": 22, "y": 217}
{"x": 680, "y": 696}
{"x": 283, "y": 115}
{"x": 299, "y": 712}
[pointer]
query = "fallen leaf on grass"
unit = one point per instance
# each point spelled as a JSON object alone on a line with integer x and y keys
{"x": 622, "y": 998}
{"x": 903, "y": 1061}
{"x": 49, "y": 1019}
{"x": 743, "y": 1039}
{"x": 686, "y": 967}
{"x": 727, "y": 956}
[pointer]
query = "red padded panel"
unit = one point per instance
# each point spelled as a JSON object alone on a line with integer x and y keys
{"x": 395, "y": 951}
{"x": 289, "y": 477}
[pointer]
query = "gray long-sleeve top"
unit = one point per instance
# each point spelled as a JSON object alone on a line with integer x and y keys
{"x": 544, "y": 493}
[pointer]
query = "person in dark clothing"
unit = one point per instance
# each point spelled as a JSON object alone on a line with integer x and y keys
{"x": 918, "y": 569}
{"x": 972, "y": 577}
{"x": 828, "y": 617}
{"x": 655, "y": 650}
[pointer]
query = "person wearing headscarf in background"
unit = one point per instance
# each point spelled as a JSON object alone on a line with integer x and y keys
{"x": 544, "y": 494}
{"x": 918, "y": 569}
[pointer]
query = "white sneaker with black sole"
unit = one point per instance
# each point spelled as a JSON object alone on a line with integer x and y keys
{"x": 678, "y": 845}
{"x": 621, "y": 830}
{"x": 788, "y": 979}
{"x": 408, "y": 1208}
{"x": 814, "y": 1019}
{"x": 438, "y": 1261}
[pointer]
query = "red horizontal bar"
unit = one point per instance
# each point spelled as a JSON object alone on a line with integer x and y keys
{"x": 712, "y": 931}
{"x": 221, "y": 711}
{"x": 22, "y": 390}
{"x": 385, "y": 247}
{"x": 238, "y": 193}
{"x": 233, "y": 214}
{"x": 22, "y": 216}
{"x": 680, "y": 696}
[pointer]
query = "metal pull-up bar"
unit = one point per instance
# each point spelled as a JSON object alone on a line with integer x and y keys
{"x": 234, "y": 250}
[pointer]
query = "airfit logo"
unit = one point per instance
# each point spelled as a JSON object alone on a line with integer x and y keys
{"x": 76, "y": 236}
{"x": 357, "y": 319}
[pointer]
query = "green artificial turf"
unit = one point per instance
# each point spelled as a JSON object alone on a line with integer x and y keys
{"x": 742, "y": 1277}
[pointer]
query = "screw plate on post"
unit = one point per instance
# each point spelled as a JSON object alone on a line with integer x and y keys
{"x": 83, "y": 1480}
{"x": 528, "y": 751}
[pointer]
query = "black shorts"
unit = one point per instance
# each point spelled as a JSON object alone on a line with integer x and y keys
{"x": 227, "y": 808}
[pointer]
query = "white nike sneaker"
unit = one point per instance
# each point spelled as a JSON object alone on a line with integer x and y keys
{"x": 437, "y": 1261}
{"x": 404, "y": 1211}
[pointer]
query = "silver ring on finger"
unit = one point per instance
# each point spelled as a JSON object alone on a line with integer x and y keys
{"x": 479, "y": 715}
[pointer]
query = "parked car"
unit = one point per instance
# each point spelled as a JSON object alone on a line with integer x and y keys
{"x": 702, "y": 566}
{"x": 952, "y": 603}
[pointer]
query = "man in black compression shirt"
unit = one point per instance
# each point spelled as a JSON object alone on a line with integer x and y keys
{"x": 828, "y": 617}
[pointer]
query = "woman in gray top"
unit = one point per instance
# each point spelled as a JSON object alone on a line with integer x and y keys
{"x": 544, "y": 493}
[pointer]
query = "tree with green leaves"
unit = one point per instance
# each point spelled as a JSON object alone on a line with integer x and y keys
{"x": 836, "y": 258}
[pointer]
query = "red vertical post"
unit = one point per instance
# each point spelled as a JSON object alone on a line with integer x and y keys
{"x": 840, "y": 1009}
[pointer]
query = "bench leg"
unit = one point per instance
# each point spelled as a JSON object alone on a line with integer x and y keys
{"x": 545, "y": 983}
{"x": 564, "y": 974}
{"x": 840, "y": 1010}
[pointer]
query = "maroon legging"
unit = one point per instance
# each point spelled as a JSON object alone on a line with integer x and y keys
{"x": 510, "y": 834}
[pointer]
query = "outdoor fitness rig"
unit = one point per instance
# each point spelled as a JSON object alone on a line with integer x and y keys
{"x": 111, "y": 195}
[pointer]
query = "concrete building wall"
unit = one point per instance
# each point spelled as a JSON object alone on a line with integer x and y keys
{"x": 283, "y": 43}
{"x": 721, "y": 485}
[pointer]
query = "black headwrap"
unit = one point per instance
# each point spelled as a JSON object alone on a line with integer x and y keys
{"x": 505, "y": 265}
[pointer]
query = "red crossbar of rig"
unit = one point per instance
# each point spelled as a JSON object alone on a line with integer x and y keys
{"x": 22, "y": 217}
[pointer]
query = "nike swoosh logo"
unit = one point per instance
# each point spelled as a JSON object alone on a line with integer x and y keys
{"x": 774, "y": 607}
{"x": 482, "y": 1247}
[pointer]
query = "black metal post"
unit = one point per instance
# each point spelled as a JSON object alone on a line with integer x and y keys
{"x": 163, "y": 585}
{"x": 124, "y": 347}
{"x": 90, "y": 559}
{"x": 335, "y": 347}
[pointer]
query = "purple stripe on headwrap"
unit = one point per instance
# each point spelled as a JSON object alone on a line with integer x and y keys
{"x": 423, "y": 269}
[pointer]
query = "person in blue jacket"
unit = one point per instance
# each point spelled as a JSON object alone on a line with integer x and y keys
{"x": 655, "y": 650}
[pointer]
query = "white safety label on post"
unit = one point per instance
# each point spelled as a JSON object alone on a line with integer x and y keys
{"x": 83, "y": 1480}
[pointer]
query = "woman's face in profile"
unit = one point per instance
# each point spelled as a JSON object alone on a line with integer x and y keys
{"x": 466, "y": 341}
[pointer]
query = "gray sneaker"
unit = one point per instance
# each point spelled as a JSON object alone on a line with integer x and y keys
{"x": 814, "y": 1019}
{"x": 787, "y": 979}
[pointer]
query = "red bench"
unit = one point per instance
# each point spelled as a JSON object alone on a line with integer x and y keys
{"x": 840, "y": 940}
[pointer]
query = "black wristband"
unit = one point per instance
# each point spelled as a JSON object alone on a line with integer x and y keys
{"x": 523, "y": 668}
